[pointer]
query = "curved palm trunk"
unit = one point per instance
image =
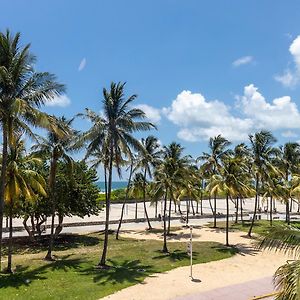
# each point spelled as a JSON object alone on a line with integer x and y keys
{"x": 124, "y": 202}
{"x": 227, "y": 220}
{"x": 255, "y": 205}
{"x": 144, "y": 200}
{"x": 10, "y": 242}
{"x": 215, "y": 211}
{"x": 52, "y": 199}
{"x": 102, "y": 262}
{"x": 2, "y": 185}
{"x": 165, "y": 248}
{"x": 209, "y": 201}
{"x": 191, "y": 201}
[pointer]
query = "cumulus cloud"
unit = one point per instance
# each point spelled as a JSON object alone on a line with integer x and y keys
{"x": 82, "y": 64}
{"x": 61, "y": 101}
{"x": 242, "y": 61}
{"x": 152, "y": 113}
{"x": 291, "y": 77}
{"x": 199, "y": 118}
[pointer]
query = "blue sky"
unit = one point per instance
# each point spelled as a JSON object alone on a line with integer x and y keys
{"x": 201, "y": 67}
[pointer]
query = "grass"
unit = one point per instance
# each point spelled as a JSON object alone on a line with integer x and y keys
{"x": 73, "y": 274}
{"x": 259, "y": 227}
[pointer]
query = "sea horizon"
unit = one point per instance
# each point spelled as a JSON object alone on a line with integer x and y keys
{"x": 115, "y": 185}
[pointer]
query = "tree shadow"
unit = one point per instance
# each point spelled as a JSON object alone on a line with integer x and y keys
{"x": 175, "y": 255}
{"x": 24, "y": 276}
{"x": 127, "y": 271}
{"x": 62, "y": 242}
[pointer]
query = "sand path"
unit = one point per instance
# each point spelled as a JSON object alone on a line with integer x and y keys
{"x": 245, "y": 266}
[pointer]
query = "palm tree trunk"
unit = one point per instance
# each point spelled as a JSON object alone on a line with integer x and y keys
{"x": 215, "y": 211}
{"x": 155, "y": 208}
{"x": 201, "y": 204}
{"x": 287, "y": 212}
{"x": 237, "y": 210}
{"x": 169, "y": 218}
{"x": 9, "y": 256}
{"x": 242, "y": 219}
{"x": 52, "y": 199}
{"x": 165, "y": 248}
{"x": 135, "y": 215}
{"x": 255, "y": 205}
{"x": 102, "y": 262}
{"x": 144, "y": 200}
{"x": 227, "y": 220}
{"x": 192, "y": 205}
{"x": 179, "y": 207}
{"x": 187, "y": 212}
{"x": 197, "y": 206}
{"x": 209, "y": 200}
{"x": 3, "y": 184}
{"x": 271, "y": 211}
{"x": 124, "y": 202}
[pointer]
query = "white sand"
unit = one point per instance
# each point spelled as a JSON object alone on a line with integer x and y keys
{"x": 242, "y": 267}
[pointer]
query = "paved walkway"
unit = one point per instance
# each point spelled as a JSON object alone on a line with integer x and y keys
{"x": 244, "y": 291}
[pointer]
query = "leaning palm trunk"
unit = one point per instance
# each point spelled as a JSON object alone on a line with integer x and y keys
{"x": 227, "y": 220}
{"x": 102, "y": 262}
{"x": 144, "y": 200}
{"x": 209, "y": 201}
{"x": 9, "y": 254}
{"x": 255, "y": 206}
{"x": 124, "y": 202}
{"x": 3, "y": 183}
{"x": 165, "y": 248}
{"x": 52, "y": 198}
{"x": 192, "y": 205}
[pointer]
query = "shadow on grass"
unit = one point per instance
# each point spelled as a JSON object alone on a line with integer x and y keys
{"x": 119, "y": 272}
{"x": 62, "y": 242}
{"x": 25, "y": 275}
{"x": 175, "y": 255}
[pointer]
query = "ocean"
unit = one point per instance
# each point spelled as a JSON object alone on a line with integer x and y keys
{"x": 115, "y": 185}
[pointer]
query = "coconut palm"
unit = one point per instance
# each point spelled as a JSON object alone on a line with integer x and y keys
{"x": 286, "y": 278}
{"x": 148, "y": 158}
{"x": 288, "y": 162}
{"x": 54, "y": 148}
{"x": 112, "y": 135}
{"x": 262, "y": 153}
{"x": 22, "y": 181}
{"x": 22, "y": 92}
{"x": 230, "y": 181}
{"x": 218, "y": 147}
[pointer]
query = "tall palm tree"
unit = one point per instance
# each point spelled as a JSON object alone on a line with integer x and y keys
{"x": 22, "y": 92}
{"x": 112, "y": 134}
{"x": 286, "y": 278}
{"x": 22, "y": 181}
{"x": 218, "y": 147}
{"x": 288, "y": 162}
{"x": 230, "y": 181}
{"x": 149, "y": 158}
{"x": 262, "y": 153}
{"x": 55, "y": 147}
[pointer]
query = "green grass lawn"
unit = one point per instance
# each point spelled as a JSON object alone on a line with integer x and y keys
{"x": 73, "y": 276}
{"x": 259, "y": 227}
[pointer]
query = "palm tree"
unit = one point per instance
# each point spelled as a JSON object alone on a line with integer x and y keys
{"x": 286, "y": 278}
{"x": 22, "y": 92}
{"x": 288, "y": 162}
{"x": 22, "y": 181}
{"x": 149, "y": 157}
{"x": 230, "y": 181}
{"x": 212, "y": 161}
{"x": 112, "y": 135}
{"x": 55, "y": 147}
{"x": 262, "y": 152}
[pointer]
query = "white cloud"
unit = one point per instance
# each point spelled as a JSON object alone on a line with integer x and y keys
{"x": 242, "y": 61}
{"x": 289, "y": 134}
{"x": 291, "y": 77}
{"x": 152, "y": 113}
{"x": 199, "y": 118}
{"x": 82, "y": 64}
{"x": 61, "y": 101}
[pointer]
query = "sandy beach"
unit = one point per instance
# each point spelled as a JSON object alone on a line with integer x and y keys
{"x": 246, "y": 266}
